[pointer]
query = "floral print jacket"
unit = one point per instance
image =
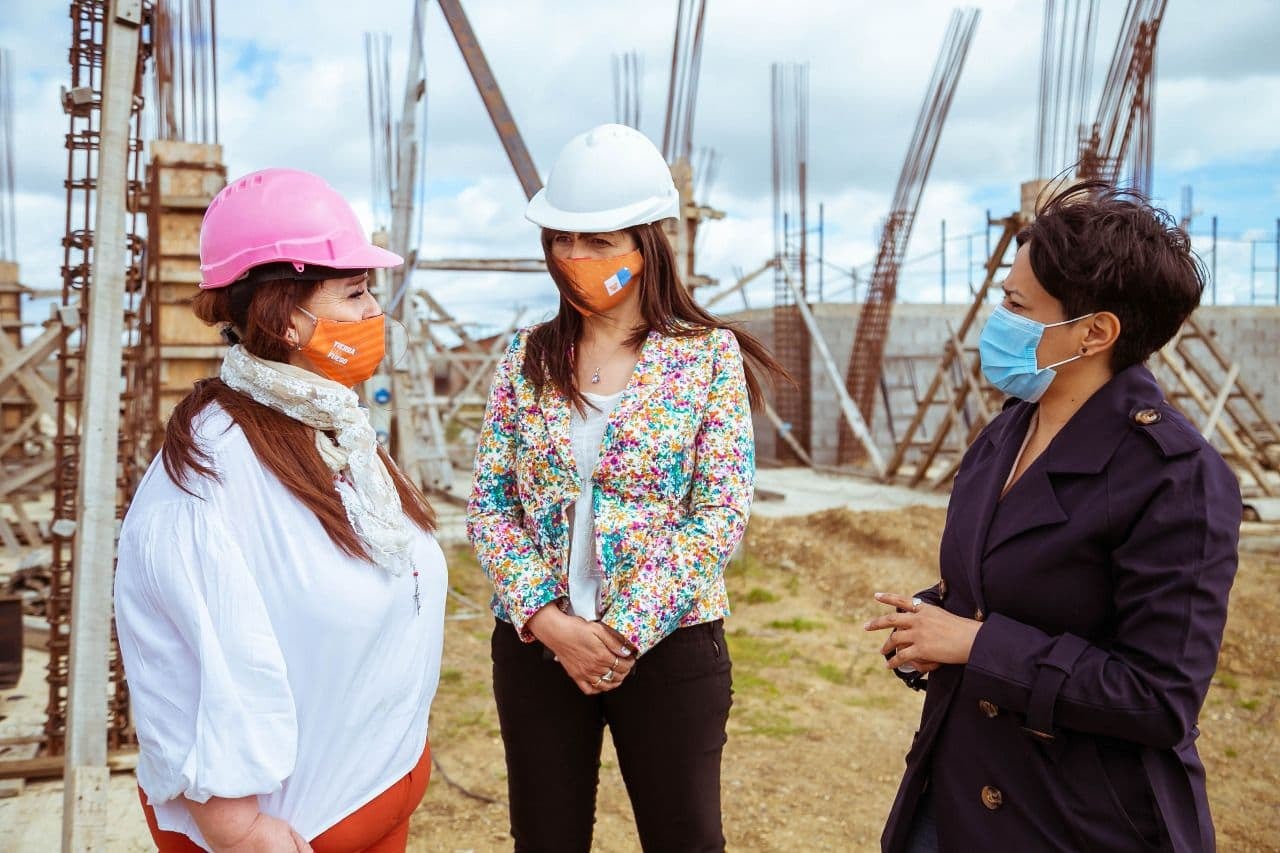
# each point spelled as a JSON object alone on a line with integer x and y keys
{"x": 673, "y": 488}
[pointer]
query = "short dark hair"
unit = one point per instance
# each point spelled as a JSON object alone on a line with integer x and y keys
{"x": 1097, "y": 247}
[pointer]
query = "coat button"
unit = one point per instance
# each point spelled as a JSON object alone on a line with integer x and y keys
{"x": 992, "y": 798}
{"x": 1146, "y": 417}
{"x": 979, "y": 615}
{"x": 990, "y": 709}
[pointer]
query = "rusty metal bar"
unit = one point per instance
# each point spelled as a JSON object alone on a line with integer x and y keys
{"x": 494, "y": 102}
{"x": 863, "y": 377}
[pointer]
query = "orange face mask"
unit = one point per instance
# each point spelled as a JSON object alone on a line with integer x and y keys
{"x": 346, "y": 351}
{"x": 601, "y": 283}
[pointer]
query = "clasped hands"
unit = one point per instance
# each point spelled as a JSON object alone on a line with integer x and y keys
{"x": 594, "y": 655}
{"x": 923, "y": 635}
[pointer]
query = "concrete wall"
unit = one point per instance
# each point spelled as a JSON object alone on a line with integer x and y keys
{"x": 1249, "y": 335}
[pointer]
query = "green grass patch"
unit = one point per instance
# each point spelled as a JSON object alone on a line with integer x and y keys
{"x": 749, "y": 652}
{"x": 1231, "y": 753}
{"x": 1228, "y": 680}
{"x": 742, "y": 566}
{"x": 1249, "y": 704}
{"x": 864, "y": 700}
{"x": 451, "y": 676}
{"x": 769, "y": 725}
{"x": 759, "y": 595}
{"x": 750, "y": 683}
{"x": 834, "y": 674}
{"x": 798, "y": 624}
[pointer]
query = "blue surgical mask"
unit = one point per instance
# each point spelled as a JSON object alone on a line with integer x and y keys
{"x": 1007, "y": 349}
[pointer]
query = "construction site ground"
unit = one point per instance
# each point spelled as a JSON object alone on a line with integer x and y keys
{"x": 818, "y": 728}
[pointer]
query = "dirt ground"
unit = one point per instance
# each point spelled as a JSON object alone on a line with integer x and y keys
{"x": 818, "y": 727}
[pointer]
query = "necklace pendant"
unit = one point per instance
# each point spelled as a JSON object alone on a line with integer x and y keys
{"x": 595, "y": 377}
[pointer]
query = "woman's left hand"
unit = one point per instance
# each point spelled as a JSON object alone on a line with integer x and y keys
{"x": 923, "y": 633}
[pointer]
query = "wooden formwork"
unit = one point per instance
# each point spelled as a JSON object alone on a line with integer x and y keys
{"x": 182, "y": 179}
{"x": 15, "y": 407}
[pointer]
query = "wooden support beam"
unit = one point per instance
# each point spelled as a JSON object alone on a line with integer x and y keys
{"x": 52, "y": 767}
{"x": 785, "y": 432}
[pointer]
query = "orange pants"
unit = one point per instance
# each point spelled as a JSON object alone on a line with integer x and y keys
{"x": 379, "y": 826}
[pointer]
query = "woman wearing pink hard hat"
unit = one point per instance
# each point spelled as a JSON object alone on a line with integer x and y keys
{"x": 279, "y": 595}
{"x": 612, "y": 482}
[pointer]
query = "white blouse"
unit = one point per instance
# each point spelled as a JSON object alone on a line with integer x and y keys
{"x": 587, "y": 434}
{"x": 260, "y": 658}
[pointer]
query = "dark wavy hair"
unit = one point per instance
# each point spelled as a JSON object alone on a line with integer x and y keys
{"x": 666, "y": 306}
{"x": 1098, "y": 247}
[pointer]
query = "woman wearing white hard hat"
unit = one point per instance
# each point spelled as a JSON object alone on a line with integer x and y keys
{"x": 612, "y": 483}
{"x": 279, "y": 595}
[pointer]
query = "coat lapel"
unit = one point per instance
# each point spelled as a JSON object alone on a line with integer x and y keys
{"x": 983, "y": 492}
{"x": 1083, "y": 447}
{"x": 646, "y": 378}
{"x": 555, "y": 412}
{"x": 1031, "y": 503}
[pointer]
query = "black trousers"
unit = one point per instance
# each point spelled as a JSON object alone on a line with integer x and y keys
{"x": 667, "y": 721}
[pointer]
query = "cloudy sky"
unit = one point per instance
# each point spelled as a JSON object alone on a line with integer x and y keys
{"x": 292, "y": 93}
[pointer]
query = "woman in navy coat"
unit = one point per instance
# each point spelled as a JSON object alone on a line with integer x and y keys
{"x": 1089, "y": 549}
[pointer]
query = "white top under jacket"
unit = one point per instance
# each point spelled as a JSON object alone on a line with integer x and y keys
{"x": 260, "y": 658}
{"x": 587, "y": 433}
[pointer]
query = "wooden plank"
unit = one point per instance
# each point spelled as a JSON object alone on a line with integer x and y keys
{"x": 1242, "y": 454}
{"x": 33, "y": 354}
{"x": 24, "y": 476}
{"x": 177, "y": 325}
{"x": 12, "y": 437}
{"x": 1245, "y": 390}
{"x": 1211, "y": 423}
{"x": 51, "y": 766}
{"x": 177, "y": 269}
{"x": 17, "y": 752}
{"x": 179, "y": 233}
{"x": 173, "y": 152}
{"x": 785, "y": 432}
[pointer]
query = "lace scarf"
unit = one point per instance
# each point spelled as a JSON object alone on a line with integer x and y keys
{"x": 372, "y": 503}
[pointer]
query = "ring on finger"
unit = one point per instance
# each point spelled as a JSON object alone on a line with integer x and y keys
{"x": 915, "y": 603}
{"x": 596, "y": 683}
{"x": 608, "y": 676}
{"x": 616, "y": 660}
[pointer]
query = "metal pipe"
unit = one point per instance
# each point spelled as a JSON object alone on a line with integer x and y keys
{"x": 1213, "y": 274}
{"x": 943, "y": 253}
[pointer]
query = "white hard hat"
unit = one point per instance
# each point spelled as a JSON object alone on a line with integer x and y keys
{"x": 606, "y": 179}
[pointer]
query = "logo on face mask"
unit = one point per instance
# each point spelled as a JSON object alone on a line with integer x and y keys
{"x": 1007, "y": 350}
{"x": 348, "y": 352}
{"x": 600, "y": 284}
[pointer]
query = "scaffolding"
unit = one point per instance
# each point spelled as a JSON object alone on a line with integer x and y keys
{"x": 82, "y": 102}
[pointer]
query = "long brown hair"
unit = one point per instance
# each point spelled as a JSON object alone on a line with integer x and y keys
{"x": 259, "y": 315}
{"x": 666, "y": 306}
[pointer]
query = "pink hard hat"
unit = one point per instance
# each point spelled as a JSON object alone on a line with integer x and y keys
{"x": 282, "y": 215}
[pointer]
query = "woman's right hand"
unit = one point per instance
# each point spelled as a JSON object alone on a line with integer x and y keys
{"x": 268, "y": 835}
{"x": 581, "y": 650}
{"x": 234, "y": 825}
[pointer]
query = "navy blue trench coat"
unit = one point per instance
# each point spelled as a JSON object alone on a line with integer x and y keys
{"x": 1102, "y": 579}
